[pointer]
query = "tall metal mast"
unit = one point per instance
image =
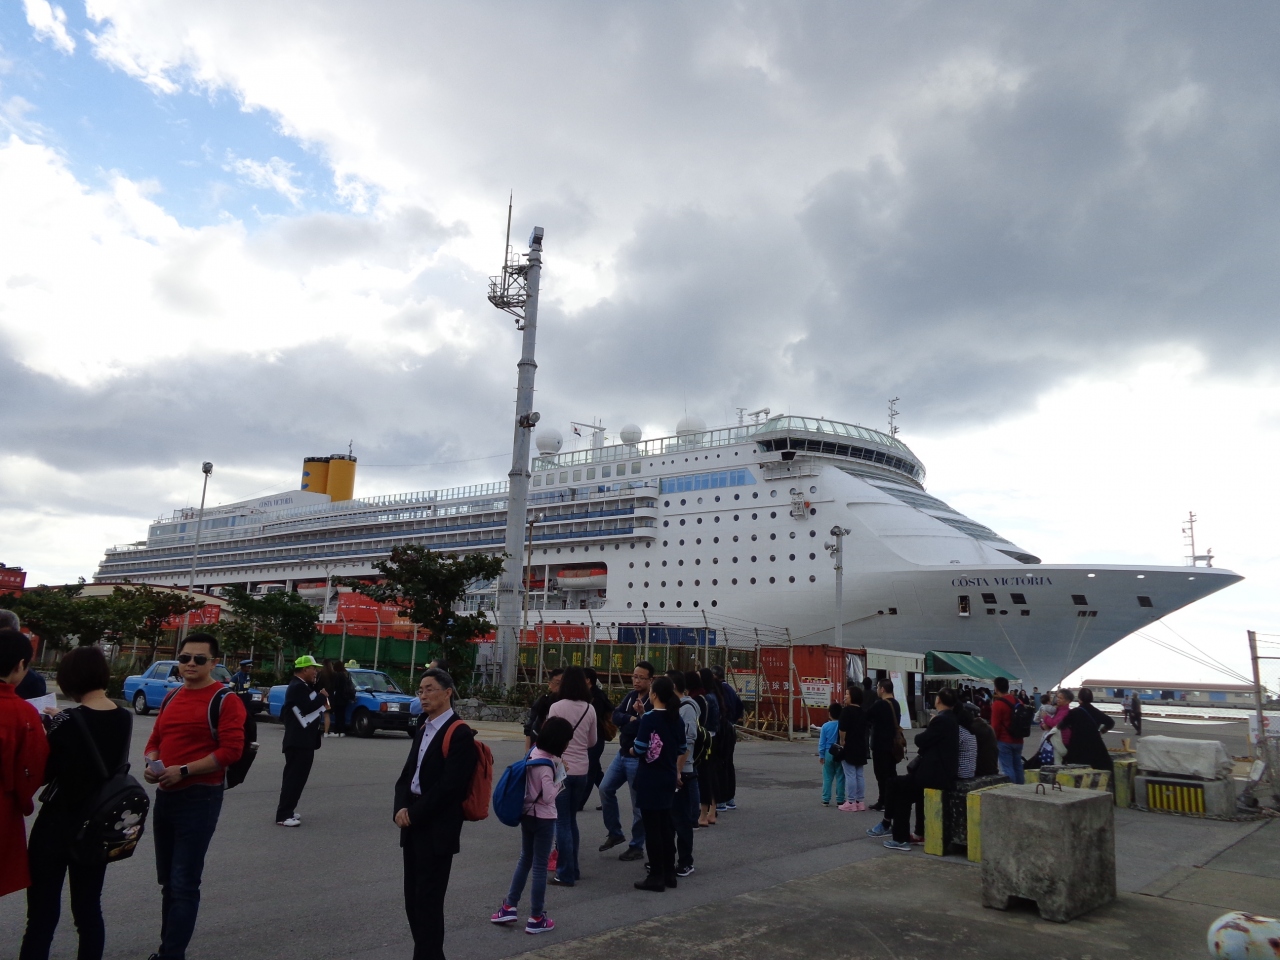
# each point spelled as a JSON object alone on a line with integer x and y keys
{"x": 515, "y": 291}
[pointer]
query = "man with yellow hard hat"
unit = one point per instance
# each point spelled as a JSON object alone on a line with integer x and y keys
{"x": 304, "y": 705}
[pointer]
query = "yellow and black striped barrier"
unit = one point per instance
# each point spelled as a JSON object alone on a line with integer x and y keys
{"x": 1176, "y": 797}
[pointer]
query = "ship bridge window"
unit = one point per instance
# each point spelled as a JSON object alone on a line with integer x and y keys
{"x": 1018, "y": 598}
{"x": 989, "y": 598}
{"x": 1145, "y": 602}
{"x": 962, "y": 606}
{"x": 1079, "y": 600}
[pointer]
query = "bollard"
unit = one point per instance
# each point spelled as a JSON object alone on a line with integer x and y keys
{"x": 1244, "y": 936}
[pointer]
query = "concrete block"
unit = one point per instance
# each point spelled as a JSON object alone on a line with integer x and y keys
{"x": 936, "y": 840}
{"x": 1054, "y": 846}
{"x": 1125, "y": 772}
{"x": 973, "y": 821}
{"x": 946, "y": 819}
{"x": 1196, "y": 798}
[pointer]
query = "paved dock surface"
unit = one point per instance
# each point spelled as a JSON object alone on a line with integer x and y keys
{"x": 782, "y": 876}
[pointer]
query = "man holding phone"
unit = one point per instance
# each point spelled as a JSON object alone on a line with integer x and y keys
{"x": 187, "y": 761}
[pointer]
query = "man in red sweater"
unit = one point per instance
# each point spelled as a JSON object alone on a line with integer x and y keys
{"x": 188, "y": 761}
{"x": 1010, "y": 747}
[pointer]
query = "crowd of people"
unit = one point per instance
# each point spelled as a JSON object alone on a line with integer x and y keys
{"x": 675, "y": 734}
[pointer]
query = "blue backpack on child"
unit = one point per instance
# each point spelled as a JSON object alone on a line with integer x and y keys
{"x": 508, "y": 795}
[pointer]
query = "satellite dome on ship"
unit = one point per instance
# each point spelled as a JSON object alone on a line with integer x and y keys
{"x": 690, "y": 425}
{"x": 548, "y": 441}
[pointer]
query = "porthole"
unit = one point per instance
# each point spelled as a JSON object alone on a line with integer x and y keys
{"x": 754, "y": 537}
{"x": 666, "y": 523}
{"x": 682, "y": 543}
{"x": 695, "y": 603}
{"x": 699, "y": 499}
{"x": 664, "y": 563}
{"x": 753, "y": 559}
{"x": 683, "y": 502}
{"x": 628, "y": 604}
{"x": 717, "y": 518}
{"x": 717, "y": 495}
{"x": 682, "y": 521}
{"x": 793, "y": 491}
{"x": 616, "y": 546}
{"x": 630, "y": 586}
{"x": 557, "y": 549}
{"x": 715, "y": 539}
{"x": 713, "y": 603}
{"x": 645, "y": 604}
{"x": 663, "y": 583}
{"x": 793, "y": 556}
{"x": 646, "y": 563}
{"x": 699, "y": 520}
{"x": 772, "y": 558}
{"x": 697, "y": 561}
{"x": 633, "y": 546}
{"x": 646, "y": 584}
{"x": 735, "y": 559}
{"x": 793, "y": 534}
{"x": 753, "y": 580}
{"x": 715, "y": 559}
{"x": 664, "y": 543}
{"x": 735, "y": 581}
{"x": 813, "y": 533}
{"x": 773, "y": 536}
{"x": 631, "y": 564}
{"x": 755, "y": 495}
{"x": 812, "y": 578}
{"x": 771, "y": 580}
{"x": 791, "y": 579}
{"x": 715, "y": 582}
{"x": 679, "y": 583}
{"x": 662, "y": 603}
{"x": 773, "y": 515}
{"x": 773, "y": 492}
{"x": 735, "y": 538}
{"x": 735, "y": 516}
{"x": 813, "y": 489}
{"x": 666, "y": 503}
{"x": 680, "y": 563}
{"x": 737, "y": 496}
{"x": 813, "y": 511}
{"x": 755, "y": 516}
{"x": 697, "y": 583}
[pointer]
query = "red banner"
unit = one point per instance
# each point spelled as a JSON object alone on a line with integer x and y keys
{"x": 206, "y": 616}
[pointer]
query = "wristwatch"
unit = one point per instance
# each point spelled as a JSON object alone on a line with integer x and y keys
{"x": 184, "y": 771}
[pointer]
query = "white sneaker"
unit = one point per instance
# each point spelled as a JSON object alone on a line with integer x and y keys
{"x": 291, "y": 822}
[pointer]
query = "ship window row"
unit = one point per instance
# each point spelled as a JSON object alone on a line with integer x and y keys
{"x": 677, "y": 604}
{"x": 583, "y": 473}
{"x": 706, "y": 481}
{"x": 844, "y": 450}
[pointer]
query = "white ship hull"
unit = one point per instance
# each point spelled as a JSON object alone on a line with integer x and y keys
{"x": 724, "y": 529}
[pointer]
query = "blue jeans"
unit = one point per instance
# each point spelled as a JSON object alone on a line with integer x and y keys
{"x": 855, "y": 781}
{"x": 684, "y": 814}
{"x": 182, "y": 824}
{"x": 622, "y": 770}
{"x": 832, "y": 773}
{"x": 1011, "y": 761}
{"x": 535, "y": 847}
{"x": 568, "y": 800}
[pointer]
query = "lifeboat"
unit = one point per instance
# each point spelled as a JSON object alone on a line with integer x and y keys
{"x": 582, "y": 578}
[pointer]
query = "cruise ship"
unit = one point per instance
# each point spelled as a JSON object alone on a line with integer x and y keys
{"x": 728, "y": 528}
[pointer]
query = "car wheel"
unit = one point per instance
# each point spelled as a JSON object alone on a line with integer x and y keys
{"x": 140, "y": 704}
{"x": 362, "y": 724}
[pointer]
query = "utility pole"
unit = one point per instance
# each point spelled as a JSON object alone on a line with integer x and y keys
{"x": 515, "y": 291}
{"x": 206, "y": 468}
{"x": 837, "y": 554}
{"x": 1261, "y": 743}
{"x": 528, "y": 577}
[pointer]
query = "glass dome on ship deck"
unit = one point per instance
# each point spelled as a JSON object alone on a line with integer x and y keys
{"x": 811, "y": 434}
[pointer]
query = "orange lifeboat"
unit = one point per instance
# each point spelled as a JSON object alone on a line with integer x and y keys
{"x": 582, "y": 578}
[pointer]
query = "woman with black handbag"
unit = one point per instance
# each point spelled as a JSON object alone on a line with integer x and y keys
{"x": 73, "y": 780}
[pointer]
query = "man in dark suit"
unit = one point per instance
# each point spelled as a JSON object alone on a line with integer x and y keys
{"x": 428, "y": 810}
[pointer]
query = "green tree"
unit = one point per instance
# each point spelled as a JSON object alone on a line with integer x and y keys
{"x": 148, "y": 611}
{"x": 49, "y": 612}
{"x": 429, "y": 585}
{"x": 269, "y": 621}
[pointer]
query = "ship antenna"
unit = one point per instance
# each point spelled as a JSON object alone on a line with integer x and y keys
{"x": 893, "y": 416}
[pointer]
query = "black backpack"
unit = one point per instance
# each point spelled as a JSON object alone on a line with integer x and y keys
{"x": 116, "y": 816}
{"x": 234, "y": 775}
{"x": 701, "y": 745}
{"x": 1019, "y": 720}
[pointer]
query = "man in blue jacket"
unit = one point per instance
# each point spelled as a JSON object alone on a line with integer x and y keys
{"x": 304, "y": 705}
{"x": 623, "y": 769}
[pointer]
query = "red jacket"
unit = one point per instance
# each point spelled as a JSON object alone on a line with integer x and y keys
{"x": 1001, "y": 716}
{"x": 23, "y": 751}
{"x": 181, "y": 732}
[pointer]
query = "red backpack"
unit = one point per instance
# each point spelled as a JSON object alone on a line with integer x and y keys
{"x": 475, "y": 806}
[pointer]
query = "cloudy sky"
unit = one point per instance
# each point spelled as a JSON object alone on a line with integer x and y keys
{"x": 250, "y": 232}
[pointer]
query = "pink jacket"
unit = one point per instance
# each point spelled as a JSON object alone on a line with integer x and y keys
{"x": 1049, "y": 722}
{"x": 584, "y": 733}
{"x": 540, "y": 787}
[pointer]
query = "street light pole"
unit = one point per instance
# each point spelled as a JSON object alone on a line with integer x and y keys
{"x": 837, "y": 554}
{"x": 206, "y": 468}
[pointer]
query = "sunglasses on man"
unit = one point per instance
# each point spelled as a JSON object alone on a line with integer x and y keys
{"x": 199, "y": 658}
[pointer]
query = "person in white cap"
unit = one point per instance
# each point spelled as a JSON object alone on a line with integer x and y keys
{"x": 304, "y": 705}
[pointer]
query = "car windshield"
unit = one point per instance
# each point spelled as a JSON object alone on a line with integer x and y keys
{"x": 374, "y": 682}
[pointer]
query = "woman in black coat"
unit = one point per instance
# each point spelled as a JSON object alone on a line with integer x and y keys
{"x": 1087, "y": 725}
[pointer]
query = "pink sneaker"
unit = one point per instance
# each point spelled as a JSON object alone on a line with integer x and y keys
{"x": 847, "y": 806}
{"x": 860, "y": 807}
{"x": 505, "y": 914}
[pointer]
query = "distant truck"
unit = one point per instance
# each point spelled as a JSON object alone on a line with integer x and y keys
{"x": 379, "y": 704}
